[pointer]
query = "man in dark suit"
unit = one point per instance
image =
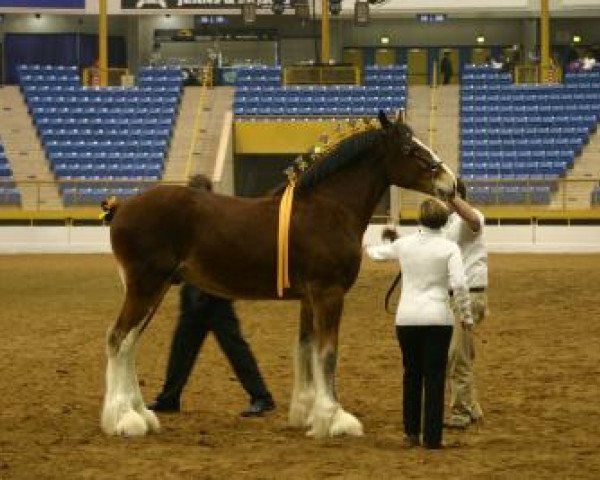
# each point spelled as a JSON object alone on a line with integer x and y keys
{"x": 200, "y": 314}
{"x": 446, "y": 68}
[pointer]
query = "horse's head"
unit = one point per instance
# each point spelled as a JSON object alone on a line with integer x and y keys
{"x": 411, "y": 164}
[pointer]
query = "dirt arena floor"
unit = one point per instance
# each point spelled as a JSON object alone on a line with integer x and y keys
{"x": 538, "y": 368}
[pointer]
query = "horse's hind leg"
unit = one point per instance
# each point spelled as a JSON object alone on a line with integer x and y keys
{"x": 303, "y": 393}
{"x": 124, "y": 411}
{"x": 329, "y": 418}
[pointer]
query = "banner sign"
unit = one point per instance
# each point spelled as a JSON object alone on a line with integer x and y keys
{"x": 43, "y": 3}
{"x": 200, "y": 4}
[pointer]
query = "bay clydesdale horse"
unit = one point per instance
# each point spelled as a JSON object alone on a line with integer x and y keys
{"x": 227, "y": 246}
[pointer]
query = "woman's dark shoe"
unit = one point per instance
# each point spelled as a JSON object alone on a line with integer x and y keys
{"x": 258, "y": 407}
{"x": 162, "y": 406}
{"x": 411, "y": 441}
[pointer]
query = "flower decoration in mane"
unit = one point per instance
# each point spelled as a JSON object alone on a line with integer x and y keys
{"x": 327, "y": 145}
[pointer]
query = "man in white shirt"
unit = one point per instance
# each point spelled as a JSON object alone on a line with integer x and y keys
{"x": 466, "y": 227}
{"x": 431, "y": 267}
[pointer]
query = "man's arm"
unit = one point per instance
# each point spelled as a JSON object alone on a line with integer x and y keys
{"x": 466, "y": 212}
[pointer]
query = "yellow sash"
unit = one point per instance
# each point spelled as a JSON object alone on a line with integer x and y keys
{"x": 283, "y": 239}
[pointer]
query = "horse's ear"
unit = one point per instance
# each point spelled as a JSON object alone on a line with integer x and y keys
{"x": 385, "y": 123}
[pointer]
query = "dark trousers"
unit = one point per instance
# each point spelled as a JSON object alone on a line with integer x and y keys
{"x": 424, "y": 356}
{"x": 200, "y": 314}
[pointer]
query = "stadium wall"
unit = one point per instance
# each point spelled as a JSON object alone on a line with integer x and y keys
{"x": 532, "y": 238}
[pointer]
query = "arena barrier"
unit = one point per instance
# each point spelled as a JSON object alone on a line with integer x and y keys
{"x": 535, "y": 237}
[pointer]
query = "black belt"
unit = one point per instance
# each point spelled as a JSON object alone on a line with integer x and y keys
{"x": 471, "y": 290}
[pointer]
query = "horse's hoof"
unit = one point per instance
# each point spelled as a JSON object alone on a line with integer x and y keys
{"x": 132, "y": 424}
{"x": 299, "y": 417}
{"x": 151, "y": 420}
{"x": 345, "y": 423}
{"x": 320, "y": 427}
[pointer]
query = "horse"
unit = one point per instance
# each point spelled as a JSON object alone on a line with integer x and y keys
{"x": 227, "y": 246}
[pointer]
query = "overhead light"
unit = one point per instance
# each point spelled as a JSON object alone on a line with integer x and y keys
{"x": 384, "y": 39}
{"x": 576, "y": 38}
{"x": 480, "y": 39}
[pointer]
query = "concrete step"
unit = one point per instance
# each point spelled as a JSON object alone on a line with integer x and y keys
{"x": 25, "y": 153}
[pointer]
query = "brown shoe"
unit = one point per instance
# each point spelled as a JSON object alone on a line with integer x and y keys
{"x": 411, "y": 441}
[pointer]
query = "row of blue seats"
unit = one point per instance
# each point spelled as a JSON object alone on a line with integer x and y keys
{"x": 391, "y": 82}
{"x": 371, "y": 111}
{"x": 118, "y": 92}
{"x": 315, "y": 102}
{"x": 50, "y": 81}
{"x": 517, "y": 167}
{"x": 9, "y": 195}
{"x": 75, "y": 134}
{"x": 532, "y": 100}
{"x": 94, "y": 195}
{"x": 160, "y": 82}
{"x": 101, "y": 170}
{"x": 144, "y": 114}
{"x": 99, "y": 101}
{"x": 37, "y": 68}
{"x": 514, "y": 156}
{"x": 324, "y": 90}
{"x": 105, "y": 181}
{"x": 521, "y": 177}
{"x": 109, "y": 147}
{"x": 544, "y": 143}
{"x": 591, "y": 76}
{"x": 509, "y": 195}
{"x": 398, "y": 67}
{"x": 500, "y": 109}
{"x": 492, "y": 88}
{"x": 475, "y": 82}
{"x": 95, "y": 156}
{"x": 535, "y": 120}
{"x": 5, "y": 170}
{"x": 141, "y": 122}
{"x": 521, "y": 132}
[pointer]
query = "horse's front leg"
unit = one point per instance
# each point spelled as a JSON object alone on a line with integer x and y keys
{"x": 329, "y": 418}
{"x": 303, "y": 393}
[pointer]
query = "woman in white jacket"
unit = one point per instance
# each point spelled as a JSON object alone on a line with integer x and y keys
{"x": 432, "y": 267}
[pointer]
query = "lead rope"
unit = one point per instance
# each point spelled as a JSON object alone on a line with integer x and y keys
{"x": 390, "y": 291}
{"x": 283, "y": 238}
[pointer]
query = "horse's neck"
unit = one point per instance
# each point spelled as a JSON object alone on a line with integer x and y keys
{"x": 358, "y": 188}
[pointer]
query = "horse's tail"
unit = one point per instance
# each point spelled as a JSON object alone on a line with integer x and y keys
{"x": 109, "y": 207}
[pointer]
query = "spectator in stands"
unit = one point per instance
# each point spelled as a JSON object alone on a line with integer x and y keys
{"x": 495, "y": 64}
{"x": 446, "y": 68}
{"x": 431, "y": 267}
{"x": 466, "y": 227}
{"x": 201, "y": 313}
{"x": 588, "y": 62}
{"x": 155, "y": 55}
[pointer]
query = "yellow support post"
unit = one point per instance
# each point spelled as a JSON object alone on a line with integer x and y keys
{"x": 545, "y": 64}
{"x": 103, "y": 42}
{"x": 325, "y": 39}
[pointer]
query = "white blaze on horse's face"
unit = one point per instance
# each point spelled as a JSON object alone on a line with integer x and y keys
{"x": 445, "y": 180}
